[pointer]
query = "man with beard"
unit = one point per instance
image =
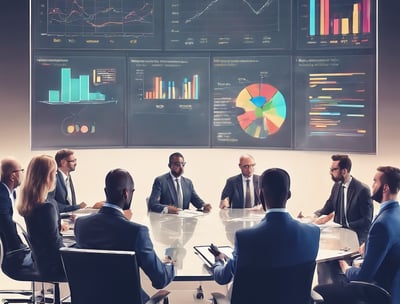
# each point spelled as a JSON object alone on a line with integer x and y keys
{"x": 109, "y": 229}
{"x": 172, "y": 192}
{"x": 382, "y": 249}
{"x": 350, "y": 205}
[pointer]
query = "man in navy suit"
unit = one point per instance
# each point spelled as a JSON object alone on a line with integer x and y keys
{"x": 277, "y": 241}
{"x": 109, "y": 229}
{"x": 242, "y": 191}
{"x": 172, "y": 192}
{"x": 10, "y": 179}
{"x": 382, "y": 248}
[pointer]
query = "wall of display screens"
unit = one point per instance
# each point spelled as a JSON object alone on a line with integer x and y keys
{"x": 276, "y": 74}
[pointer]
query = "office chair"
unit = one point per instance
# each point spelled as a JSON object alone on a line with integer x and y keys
{"x": 278, "y": 285}
{"x": 104, "y": 276}
{"x": 24, "y": 274}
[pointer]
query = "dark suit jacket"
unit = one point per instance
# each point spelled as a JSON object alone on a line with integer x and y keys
{"x": 46, "y": 240}
{"x": 359, "y": 207}
{"x": 278, "y": 240}
{"x": 110, "y": 230}
{"x": 234, "y": 191}
{"x": 164, "y": 194}
{"x": 382, "y": 251}
{"x": 60, "y": 195}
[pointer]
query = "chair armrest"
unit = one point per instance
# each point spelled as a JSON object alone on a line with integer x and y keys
{"x": 371, "y": 286}
{"x": 219, "y": 298}
{"x": 158, "y": 297}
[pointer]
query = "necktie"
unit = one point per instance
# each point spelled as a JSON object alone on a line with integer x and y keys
{"x": 179, "y": 194}
{"x": 342, "y": 207}
{"x": 70, "y": 191}
{"x": 247, "y": 197}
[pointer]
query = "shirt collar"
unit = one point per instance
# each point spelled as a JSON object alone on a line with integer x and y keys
{"x": 282, "y": 210}
{"x": 244, "y": 178}
{"x": 384, "y": 204}
{"x": 346, "y": 185}
{"x": 174, "y": 177}
{"x": 63, "y": 174}
{"x": 114, "y": 207}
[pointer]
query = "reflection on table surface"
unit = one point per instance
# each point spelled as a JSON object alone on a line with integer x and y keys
{"x": 175, "y": 235}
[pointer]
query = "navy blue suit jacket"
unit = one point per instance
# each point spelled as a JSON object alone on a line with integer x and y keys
{"x": 164, "y": 194}
{"x": 60, "y": 196}
{"x": 234, "y": 191}
{"x": 359, "y": 208}
{"x": 278, "y": 240}
{"x": 110, "y": 230}
{"x": 382, "y": 251}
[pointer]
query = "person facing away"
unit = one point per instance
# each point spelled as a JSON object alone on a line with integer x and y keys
{"x": 242, "y": 191}
{"x": 42, "y": 218}
{"x": 109, "y": 229}
{"x": 64, "y": 193}
{"x": 382, "y": 249}
{"x": 350, "y": 202}
{"x": 277, "y": 241}
{"x": 172, "y": 192}
{"x": 18, "y": 254}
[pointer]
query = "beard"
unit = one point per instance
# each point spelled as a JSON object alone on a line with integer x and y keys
{"x": 378, "y": 195}
{"x": 338, "y": 179}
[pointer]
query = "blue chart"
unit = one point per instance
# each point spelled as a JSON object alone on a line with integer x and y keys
{"x": 99, "y": 23}
{"x": 228, "y": 24}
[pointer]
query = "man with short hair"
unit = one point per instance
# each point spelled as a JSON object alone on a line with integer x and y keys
{"x": 172, "y": 192}
{"x": 242, "y": 191}
{"x": 10, "y": 178}
{"x": 109, "y": 229}
{"x": 64, "y": 193}
{"x": 277, "y": 241}
{"x": 382, "y": 248}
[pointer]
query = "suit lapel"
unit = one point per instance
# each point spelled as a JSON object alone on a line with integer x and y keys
{"x": 256, "y": 190}
{"x": 239, "y": 187}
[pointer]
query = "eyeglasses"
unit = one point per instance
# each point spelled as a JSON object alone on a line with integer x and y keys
{"x": 178, "y": 164}
{"x": 18, "y": 170}
{"x": 334, "y": 169}
{"x": 248, "y": 166}
{"x": 72, "y": 160}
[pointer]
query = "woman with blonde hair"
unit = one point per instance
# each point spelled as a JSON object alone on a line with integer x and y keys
{"x": 41, "y": 217}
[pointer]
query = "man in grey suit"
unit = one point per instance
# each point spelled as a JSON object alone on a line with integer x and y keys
{"x": 242, "y": 191}
{"x": 109, "y": 229}
{"x": 171, "y": 192}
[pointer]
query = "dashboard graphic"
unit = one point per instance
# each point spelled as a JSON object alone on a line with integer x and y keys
{"x": 99, "y": 24}
{"x": 77, "y": 100}
{"x": 336, "y": 24}
{"x": 228, "y": 24}
{"x": 335, "y": 103}
{"x": 251, "y": 101}
{"x": 169, "y": 101}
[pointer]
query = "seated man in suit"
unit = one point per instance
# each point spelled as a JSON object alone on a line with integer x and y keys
{"x": 382, "y": 248}
{"x": 18, "y": 254}
{"x": 172, "y": 192}
{"x": 109, "y": 229}
{"x": 242, "y": 191}
{"x": 278, "y": 240}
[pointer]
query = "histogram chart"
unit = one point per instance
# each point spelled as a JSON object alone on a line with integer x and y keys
{"x": 78, "y": 101}
{"x": 169, "y": 101}
{"x": 252, "y": 102}
{"x": 335, "y": 103}
{"x": 99, "y": 24}
{"x": 336, "y": 24}
{"x": 228, "y": 24}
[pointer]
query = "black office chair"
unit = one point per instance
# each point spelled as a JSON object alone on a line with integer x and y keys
{"x": 277, "y": 285}
{"x": 104, "y": 276}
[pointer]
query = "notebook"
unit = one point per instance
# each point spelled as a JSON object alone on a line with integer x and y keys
{"x": 207, "y": 257}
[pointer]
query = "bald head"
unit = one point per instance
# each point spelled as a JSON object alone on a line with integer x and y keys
{"x": 119, "y": 188}
{"x": 246, "y": 165}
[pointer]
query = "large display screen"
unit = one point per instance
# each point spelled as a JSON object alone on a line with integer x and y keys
{"x": 97, "y": 24}
{"x": 78, "y": 101}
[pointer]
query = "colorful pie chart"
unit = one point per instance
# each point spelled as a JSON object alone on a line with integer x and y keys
{"x": 264, "y": 110}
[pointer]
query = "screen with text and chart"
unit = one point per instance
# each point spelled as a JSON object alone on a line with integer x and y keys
{"x": 252, "y": 102}
{"x": 97, "y": 24}
{"x": 335, "y": 104}
{"x": 169, "y": 101}
{"x": 77, "y": 101}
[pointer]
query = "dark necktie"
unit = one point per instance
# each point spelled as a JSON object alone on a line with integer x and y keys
{"x": 71, "y": 186}
{"x": 179, "y": 194}
{"x": 247, "y": 197}
{"x": 342, "y": 207}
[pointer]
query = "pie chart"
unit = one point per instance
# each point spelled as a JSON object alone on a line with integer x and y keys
{"x": 264, "y": 110}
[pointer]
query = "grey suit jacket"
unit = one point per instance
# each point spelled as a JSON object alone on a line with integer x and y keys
{"x": 164, "y": 194}
{"x": 234, "y": 191}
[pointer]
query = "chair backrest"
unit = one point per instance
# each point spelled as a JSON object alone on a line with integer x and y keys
{"x": 102, "y": 276}
{"x": 368, "y": 293}
{"x": 278, "y": 285}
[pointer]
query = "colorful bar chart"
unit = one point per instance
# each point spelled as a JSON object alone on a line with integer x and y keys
{"x": 169, "y": 89}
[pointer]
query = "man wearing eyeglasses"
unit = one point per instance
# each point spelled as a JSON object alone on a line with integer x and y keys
{"x": 349, "y": 204}
{"x": 64, "y": 192}
{"x": 242, "y": 191}
{"x": 171, "y": 192}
